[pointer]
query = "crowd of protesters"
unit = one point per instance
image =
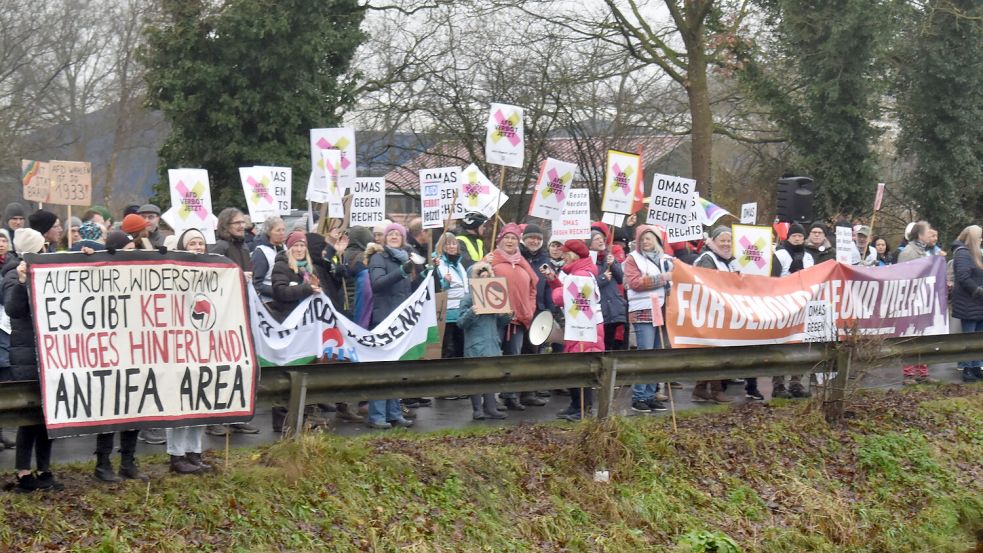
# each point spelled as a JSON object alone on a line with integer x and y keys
{"x": 368, "y": 272}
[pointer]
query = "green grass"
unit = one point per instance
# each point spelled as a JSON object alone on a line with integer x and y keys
{"x": 903, "y": 476}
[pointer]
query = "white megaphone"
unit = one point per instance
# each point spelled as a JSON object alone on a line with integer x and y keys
{"x": 545, "y": 330}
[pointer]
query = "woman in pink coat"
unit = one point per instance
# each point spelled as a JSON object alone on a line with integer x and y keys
{"x": 577, "y": 263}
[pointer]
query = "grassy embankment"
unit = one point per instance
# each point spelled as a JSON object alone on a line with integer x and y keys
{"x": 904, "y": 475}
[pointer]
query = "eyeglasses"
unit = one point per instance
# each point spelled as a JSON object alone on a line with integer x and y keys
{"x": 237, "y": 223}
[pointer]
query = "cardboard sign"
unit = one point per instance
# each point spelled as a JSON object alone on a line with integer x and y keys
{"x": 257, "y": 186}
{"x": 341, "y": 140}
{"x": 141, "y": 340}
{"x": 844, "y": 244}
{"x": 752, "y": 249}
{"x": 582, "y": 308}
{"x": 552, "y": 189}
{"x": 368, "y": 202}
{"x": 437, "y": 188}
{"x": 749, "y": 213}
{"x": 477, "y": 193}
{"x": 621, "y": 180}
{"x": 490, "y": 295}
{"x": 671, "y": 202}
{"x": 504, "y": 143}
{"x": 35, "y": 175}
{"x": 574, "y": 222}
{"x": 71, "y": 182}
{"x": 282, "y": 178}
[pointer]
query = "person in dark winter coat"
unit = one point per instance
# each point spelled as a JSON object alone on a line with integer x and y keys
{"x": 293, "y": 276}
{"x": 231, "y": 239}
{"x": 329, "y": 268}
{"x": 13, "y": 219}
{"x": 790, "y": 258}
{"x": 610, "y": 279}
{"x": 536, "y": 255}
{"x": 24, "y": 363}
{"x": 818, "y": 245}
{"x": 967, "y": 291}
{"x": 357, "y": 275}
{"x": 269, "y": 243}
{"x": 482, "y": 338}
{"x": 393, "y": 276}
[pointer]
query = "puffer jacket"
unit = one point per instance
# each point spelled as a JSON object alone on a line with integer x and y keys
{"x": 967, "y": 303}
{"x": 23, "y": 345}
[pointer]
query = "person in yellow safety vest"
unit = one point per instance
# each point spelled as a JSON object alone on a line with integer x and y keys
{"x": 473, "y": 225}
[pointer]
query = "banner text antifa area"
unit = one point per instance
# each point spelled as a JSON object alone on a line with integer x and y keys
{"x": 140, "y": 339}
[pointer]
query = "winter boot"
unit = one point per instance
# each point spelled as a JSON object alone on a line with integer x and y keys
{"x": 490, "y": 407}
{"x": 530, "y": 399}
{"x": 104, "y": 469}
{"x": 195, "y": 459}
{"x": 512, "y": 404}
{"x": 181, "y": 465}
{"x": 346, "y": 413}
{"x": 128, "y": 461}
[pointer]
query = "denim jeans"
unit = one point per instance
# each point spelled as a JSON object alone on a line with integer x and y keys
{"x": 647, "y": 337}
{"x": 971, "y": 325}
{"x": 384, "y": 410}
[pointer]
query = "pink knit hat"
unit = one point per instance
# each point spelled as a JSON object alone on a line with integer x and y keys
{"x": 510, "y": 228}
{"x": 397, "y": 227}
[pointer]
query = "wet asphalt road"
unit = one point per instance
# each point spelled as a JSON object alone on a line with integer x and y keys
{"x": 445, "y": 414}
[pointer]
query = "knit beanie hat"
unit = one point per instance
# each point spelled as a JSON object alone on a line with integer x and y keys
{"x": 510, "y": 228}
{"x": 117, "y": 240}
{"x": 294, "y": 237}
{"x": 397, "y": 227}
{"x": 819, "y": 225}
{"x": 796, "y": 228}
{"x": 74, "y": 222}
{"x": 90, "y": 231}
{"x": 42, "y": 221}
{"x": 186, "y": 236}
{"x": 103, "y": 211}
{"x": 14, "y": 209}
{"x": 133, "y": 224}
{"x": 532, "y": 229}
{"x": 28, "y": 240}
{"x": 718, "y": 230}
{"x": 578, "y": 247}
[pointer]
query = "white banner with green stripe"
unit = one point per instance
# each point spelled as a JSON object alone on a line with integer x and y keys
{"x": 314, "y": 329}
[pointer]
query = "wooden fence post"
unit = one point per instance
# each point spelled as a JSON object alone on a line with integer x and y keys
{"x": 294, "y": 423}
{"x": 607, "y": 377}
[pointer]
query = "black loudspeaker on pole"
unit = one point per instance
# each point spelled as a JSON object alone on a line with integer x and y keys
{"x": 794, "y": 200}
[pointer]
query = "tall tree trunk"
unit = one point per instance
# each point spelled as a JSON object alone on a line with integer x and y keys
{"x": 702, "y": 120}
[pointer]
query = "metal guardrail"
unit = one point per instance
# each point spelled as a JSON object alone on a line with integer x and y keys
{"x": 296, "y": 386}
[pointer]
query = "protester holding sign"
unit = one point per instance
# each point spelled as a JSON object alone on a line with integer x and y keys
{"x": 270, "y": 243}
{"x": 648, "y": 274}
{"x": 394, "y": 277}
{"x": 482, "y": 338}
{"x": 326, "y": 253}
{"x": 718, "y": 256}
{"x": 578, "y": 263}
{"x": 23, "y": 360}
{"x": 507, "y": 261}
{"x": 473, "y": 226}
{"x": 609, "y": 281}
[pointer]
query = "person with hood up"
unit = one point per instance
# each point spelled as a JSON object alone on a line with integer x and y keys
{"x": 790, "y": 258}
{"x": 717, "y": 255}
{"x": 270, "y": 243}
{"x": 357, "y": 275}
{"x": 610, "y": 279}
{"x": 507, "y": 261}
{"x": 578, "y": 263}
{"x": 648, "y": 271}
{"x": 24, "y": 363}
{"x": 967, "y": 291}
{"x": 482, "y": 338}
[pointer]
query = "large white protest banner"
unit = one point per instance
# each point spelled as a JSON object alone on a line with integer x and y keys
{"x": 574, "y": 221}
{"x": 552, "y": 187}
{"x": 342, "y": 140}
{"x": 581, "y": 308}
{"x": 437, "y": 189}
{"x": 504, "y": 142}
{"x": 141, "y": 340}
{"x": 752, "y": 249}
{"x": 191, "y": 202}
{"x": 282, "y": 178}
{"x": 257, "y": 186}
{"x": 477, "y": 193}
{"x": 368, "y": 202}
{"x": 671, "y": 203}
{"x": 316, "y": 330}
{"x": 621, "y": 181}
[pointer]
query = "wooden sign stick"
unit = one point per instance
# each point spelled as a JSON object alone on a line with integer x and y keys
{"x": 501, "y": 185}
